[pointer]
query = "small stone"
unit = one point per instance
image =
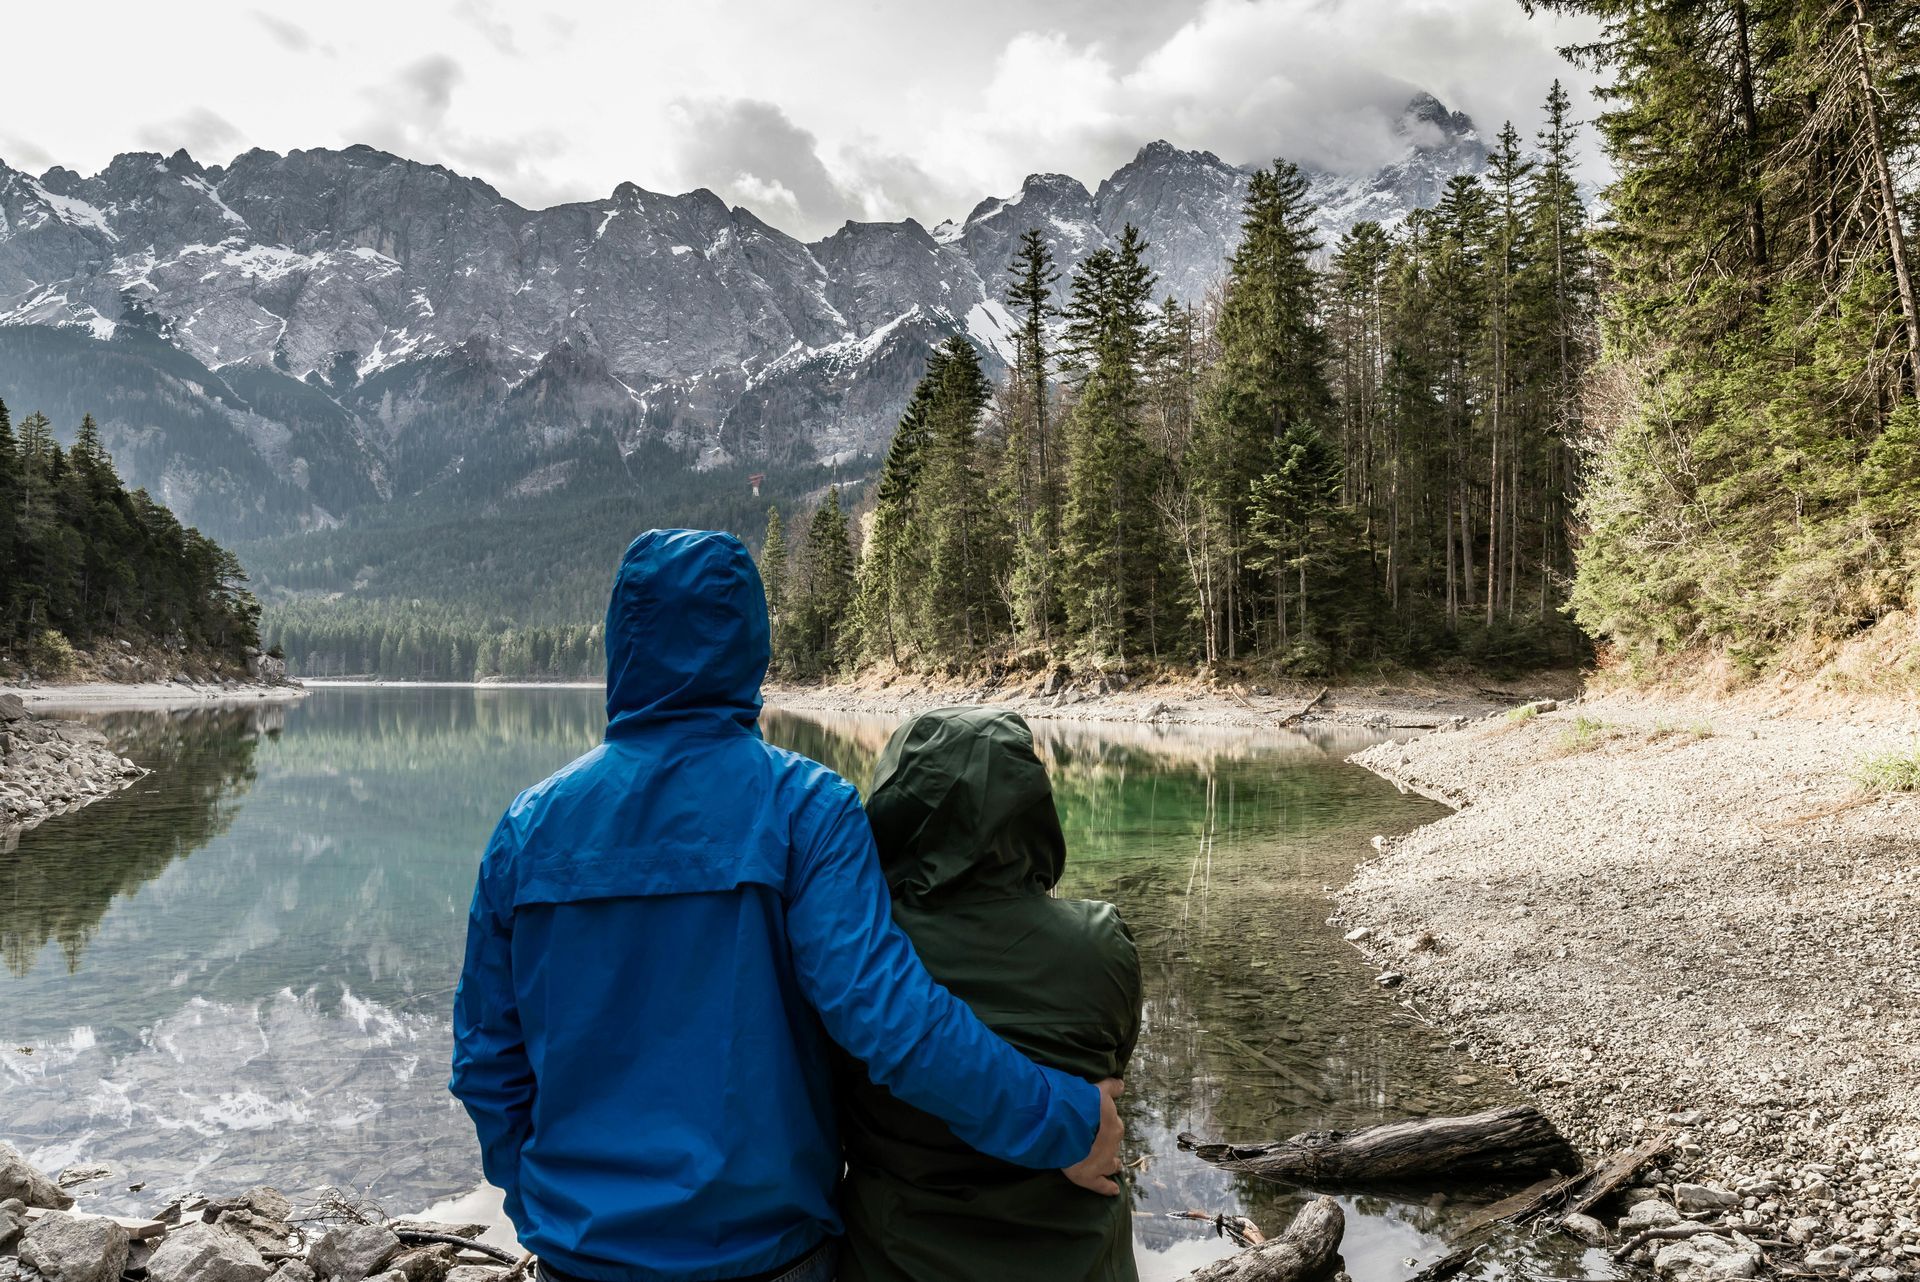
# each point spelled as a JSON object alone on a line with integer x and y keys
{"x": 1704, "y": 1197}
{"x": 353, "y": 1252}
{"x": 1650, "y": 1214}
{"x": 425, "y": 1264}
{"x": 297, "y": 1271}
{"x": 1801, "y": 1228}
{"x": 1587, "y": 1229}
{"x": 73, "y": 1248}
{"x": 1358, "y": 933}
{"x": 1838, "y": 1253}
{"x": 204, "y": 1253}
{"x": 12, "y": 1224}
{"x": 1392, "y": 979}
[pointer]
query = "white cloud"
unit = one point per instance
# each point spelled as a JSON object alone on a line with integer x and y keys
{"x": 881, "y": 113}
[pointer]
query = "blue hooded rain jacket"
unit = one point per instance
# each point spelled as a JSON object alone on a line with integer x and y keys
{"x": 665, "y": 935}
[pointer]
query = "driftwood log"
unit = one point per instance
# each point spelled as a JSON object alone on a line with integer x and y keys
{"x": 1305, "y": 1251}
{"x": 1556, "y": 1197}
{"x": 1503, "y": 1140}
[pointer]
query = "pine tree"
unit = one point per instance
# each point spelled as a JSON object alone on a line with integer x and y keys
{"x": 888, "y": 598}
{"x": 964, "y": 536}
{"x": 822, "y": 592}
{"x": 773, "y": 579}
{"x": 1029, "y": 481}
{"x": 1114, "y": 548}
{"x": 1270, "y": 376}
{"x": 12, "y": 572}
{"x": 1291, "y": 509}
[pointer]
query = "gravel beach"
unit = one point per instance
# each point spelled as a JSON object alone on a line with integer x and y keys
{"x": 1692, "y": 917}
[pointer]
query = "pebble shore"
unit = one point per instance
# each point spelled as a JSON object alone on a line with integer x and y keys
{"x": 257, "y": 1236}
{"x": 1691, "y": 919}
{"x": 49, "y": 767}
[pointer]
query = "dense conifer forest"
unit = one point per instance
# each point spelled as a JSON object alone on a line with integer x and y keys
{"x": 84, "y": 561}
{"x": 1494, "y": 435}
{"x": 1754, "y": 484}
{"x": 1348, "y": 455}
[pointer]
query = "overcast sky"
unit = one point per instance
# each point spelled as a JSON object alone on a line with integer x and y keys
{"x": 809, "y": 113}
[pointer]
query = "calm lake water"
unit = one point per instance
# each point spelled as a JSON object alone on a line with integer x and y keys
{"x": 240, "y": 970}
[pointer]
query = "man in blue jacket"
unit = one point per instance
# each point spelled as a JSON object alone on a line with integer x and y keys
{"x": 665, "y": 935}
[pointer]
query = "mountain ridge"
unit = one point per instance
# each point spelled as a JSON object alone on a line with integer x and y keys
{"x": 407, "y": 305}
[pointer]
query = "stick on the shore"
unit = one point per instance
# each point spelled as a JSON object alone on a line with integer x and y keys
{"x": 1502, "y": 1140}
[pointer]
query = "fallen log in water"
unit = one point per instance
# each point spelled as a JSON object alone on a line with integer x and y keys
{"x": 1503, "y": 1140}
{"x": 1559, "y": 1198}
{"x": 1305, "y": 1251}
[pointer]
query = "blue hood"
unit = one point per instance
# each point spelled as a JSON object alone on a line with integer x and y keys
{"x": 687, "y": 631}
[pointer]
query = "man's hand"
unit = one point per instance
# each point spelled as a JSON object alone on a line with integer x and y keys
{"x": 1095, "y": 1172}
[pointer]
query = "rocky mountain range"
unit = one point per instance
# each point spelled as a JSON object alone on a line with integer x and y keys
{"x": 279, "y": 342}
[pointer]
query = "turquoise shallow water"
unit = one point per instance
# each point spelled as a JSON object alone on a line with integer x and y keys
{"x": 239, "y": 971}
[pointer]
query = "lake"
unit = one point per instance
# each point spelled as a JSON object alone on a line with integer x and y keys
{"x": 240, "y": 970}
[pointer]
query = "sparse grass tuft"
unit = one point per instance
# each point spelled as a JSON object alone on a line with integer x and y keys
{"x": 1897, "y": 771}
{"x": 1688, "y": 730}
{"x": 1584, "y": 735}
{"x": 1524, "y": 713}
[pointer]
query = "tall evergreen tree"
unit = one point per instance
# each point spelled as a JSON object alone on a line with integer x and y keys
{"x": 1030, "y": 478}
{"x": 888, "y": 597}
{"x": 964, "y": 536}
{"x": 773, "y": 580}
{"x": 1271, "y": 375}
{"x": 821, "y": 593}
{"x": 12, "y": 572}
{"x": 1114, "y": 548}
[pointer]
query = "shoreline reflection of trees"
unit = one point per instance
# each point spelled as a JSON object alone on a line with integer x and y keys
{"x": 60, "y": 878}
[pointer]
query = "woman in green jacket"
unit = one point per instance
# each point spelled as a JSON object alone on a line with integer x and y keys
{"x": 963, "y": 815}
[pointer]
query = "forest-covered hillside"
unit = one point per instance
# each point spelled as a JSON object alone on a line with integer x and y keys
{"x": 85, "y": 562}
{"x": 1352, "y": 454}
{"x": 1754, "y": 485}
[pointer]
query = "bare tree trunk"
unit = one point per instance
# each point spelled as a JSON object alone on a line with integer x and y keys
{"x": 1889, "y": 196}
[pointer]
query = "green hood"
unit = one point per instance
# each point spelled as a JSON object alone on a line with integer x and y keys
{"x": 962, "y": 809}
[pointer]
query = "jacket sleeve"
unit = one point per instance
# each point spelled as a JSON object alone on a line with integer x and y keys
{"x": 919, "y": 1041}
{"x": 491, "y": 1073}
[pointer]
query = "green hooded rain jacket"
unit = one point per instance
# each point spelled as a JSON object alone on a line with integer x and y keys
{"x": 970, "y": 844}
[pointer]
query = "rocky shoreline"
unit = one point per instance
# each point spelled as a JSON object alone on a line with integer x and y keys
{"x": 1691, "y": 919}
{"x": 50, "y": 767}
{"x": 1062, "y": 693}
{"x": 258, "y": 1236}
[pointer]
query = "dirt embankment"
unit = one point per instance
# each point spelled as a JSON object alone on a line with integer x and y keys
{"x": 1695, "y": 916}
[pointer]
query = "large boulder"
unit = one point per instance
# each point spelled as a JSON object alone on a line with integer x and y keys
{"x": 18, "y": 1179}
{"x": 13, "y": 1221}
{"x": 293, "y": 1271}
{"x": 353, "y": 1252}
{"x": 204, "y": 1253}
{"x": 12, "y": 708}
{"x": 74, "y": 1248}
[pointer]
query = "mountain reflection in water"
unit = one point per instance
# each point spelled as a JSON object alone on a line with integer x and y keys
{"x": 240, "y": 970}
